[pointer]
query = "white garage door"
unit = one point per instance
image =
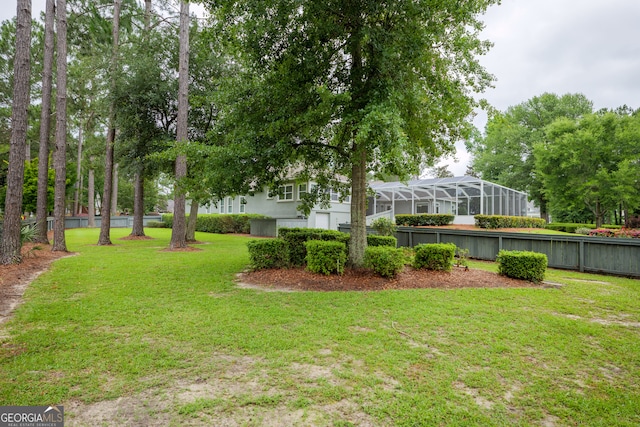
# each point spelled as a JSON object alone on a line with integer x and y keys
{"x": 322, "y": 220}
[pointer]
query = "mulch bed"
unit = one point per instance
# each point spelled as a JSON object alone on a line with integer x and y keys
{"x": 365, "y": 280}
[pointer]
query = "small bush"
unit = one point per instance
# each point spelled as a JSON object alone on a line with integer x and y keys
{"x": 462, "y": 258}
{"x": 626, "y": 233}
{"x": 296, "y": 238}
{"x": 434, "y": 256}
{"x": 384, "y": 227}
{"x": 375, "y": 240}
{"x": 583, "y": 230}
{"x": 602, "y": 232}
{"x": 326, "y": 257}
{"x": 424, "y": 220}
{"x": 384, "y": 260}
{"x": 522, "y": 265}
{"x": 502, "y": 221}
{"x": 268, "y": 253}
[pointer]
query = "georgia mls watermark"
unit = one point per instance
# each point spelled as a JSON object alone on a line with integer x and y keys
{"x": 32, "y": 416}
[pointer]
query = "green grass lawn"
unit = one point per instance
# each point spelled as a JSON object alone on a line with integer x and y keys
{"x": 133, "y": 335}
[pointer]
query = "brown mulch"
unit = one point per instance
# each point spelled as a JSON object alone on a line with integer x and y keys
{"x": 15, "y": 278}
{"x": 365, "y": 280}
{"x": 130, "y": 237}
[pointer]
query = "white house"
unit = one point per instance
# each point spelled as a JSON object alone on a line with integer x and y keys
{"x": 284, "y": 207}
{"x": 463, "y": 197}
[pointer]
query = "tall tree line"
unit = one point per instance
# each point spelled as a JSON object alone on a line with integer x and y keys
{"x": 576, "y": 164}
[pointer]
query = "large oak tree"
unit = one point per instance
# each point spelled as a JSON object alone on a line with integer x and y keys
{"x": 333, "y": 90}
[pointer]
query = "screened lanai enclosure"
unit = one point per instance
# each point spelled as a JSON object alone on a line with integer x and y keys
{"x": 463, "y": 197}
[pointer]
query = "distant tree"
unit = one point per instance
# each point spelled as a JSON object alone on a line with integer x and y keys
{"x": 504, "y": 155}
{"x": 32, "y": 186}
{"x": 178, "y": 232}
{"x": 339, "y": 89}
{"x": 440, "y": 172}
{"x": 42, "y": 208}
{"x": 10, "y": 244}
{"x": 60, "y": 154}
{"x": 591, "y": 162}
{"x": 105, "y": 211}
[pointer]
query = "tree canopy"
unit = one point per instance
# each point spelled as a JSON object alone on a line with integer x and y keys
{"x": 504, "y": 154}
{"x": 333, "y": 90}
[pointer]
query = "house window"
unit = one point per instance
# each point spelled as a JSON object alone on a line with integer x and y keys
{"x": 285, "y": 193}
{"x": 229, "y": 205}
{"x": 221, "y": 206}
{"x": 243, "y": 202}
{"x": 302, "y": 190}
{"x": 335, "y": 197}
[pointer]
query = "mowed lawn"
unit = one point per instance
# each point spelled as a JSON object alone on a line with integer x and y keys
{"x": 134, "y": 335}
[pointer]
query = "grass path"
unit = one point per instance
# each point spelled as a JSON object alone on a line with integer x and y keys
{"x": 133, "y": 335}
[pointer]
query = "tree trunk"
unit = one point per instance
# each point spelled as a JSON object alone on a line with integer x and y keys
{"x": 105, "y": 208}
{"x": 598, "y": 215}
{"x": 358, "y": 242}
{"x": 193, "y": 219}
{"x": 10, "y": 245}
{"x": 91, "y": 202}
{"x": 178, "y": 233}
{"x": 45, "y": 127}
{"x": 76, "y": 195}
{"x": 60, "y": 154}
{"x": 138, "y": 205}
{"x": 114, "y": 191}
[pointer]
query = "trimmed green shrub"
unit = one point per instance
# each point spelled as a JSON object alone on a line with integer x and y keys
{"x": 296, "y": 238}
{"x": 384, "y": 227}
{"x": 157, "y": 224}
{"x": 503, "y": 221}
{"x": 583, "y": 230}
{"x": 268, "y": 253}
{"x": 523, "y": 265}
{"x": 375, "y": 240}
{"x": 219, "y": 223}
{"x": 384, "y": 260}
{"x": 424, "y": 220}
{"x": 326, "y": 257}
{"x": 434, "y": 256}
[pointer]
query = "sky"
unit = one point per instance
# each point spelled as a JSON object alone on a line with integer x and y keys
{"x": 559, "y": 46}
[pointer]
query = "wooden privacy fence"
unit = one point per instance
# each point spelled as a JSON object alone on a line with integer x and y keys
{"x": 617, "y": 256}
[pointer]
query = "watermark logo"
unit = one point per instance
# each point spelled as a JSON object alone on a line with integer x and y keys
{"x": 32, "y": 416}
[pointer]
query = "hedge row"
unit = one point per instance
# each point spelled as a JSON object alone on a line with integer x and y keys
{"x": 328, "y": 251}
{"x": 522, "y": 265}
{"x": 297, "y": 237}
{"x": 424, "y": 220}
{"x": 219, "y": 223}
{"x": 503, "y": 221}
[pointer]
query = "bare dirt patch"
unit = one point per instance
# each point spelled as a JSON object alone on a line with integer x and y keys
{"x": 365, "y": 280}
{"x": 14, "y": 278}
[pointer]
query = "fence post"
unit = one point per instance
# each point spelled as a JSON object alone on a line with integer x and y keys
{"x": 581, "y": 256}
